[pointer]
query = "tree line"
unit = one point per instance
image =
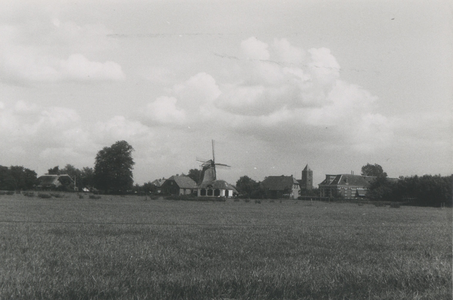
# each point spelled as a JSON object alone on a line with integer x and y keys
{"x": 16, "y": 178}
{"x": 112, "y": 173}
{"x": 426, "y": 190}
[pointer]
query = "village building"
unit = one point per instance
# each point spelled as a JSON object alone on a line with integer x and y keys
{"x": 281, "y": 187}
{"x": 179, "y": 185}
{"x": 347, "y": 186}
{"x": 216, "y": 188}
{"x": 62, "y": 182}
{"x": 306, "y": 183}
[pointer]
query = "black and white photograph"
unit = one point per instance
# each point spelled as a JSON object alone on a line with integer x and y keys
{"x": 226, "y": 149}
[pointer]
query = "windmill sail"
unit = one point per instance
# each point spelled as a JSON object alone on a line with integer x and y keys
{"x": 208, "y": 171}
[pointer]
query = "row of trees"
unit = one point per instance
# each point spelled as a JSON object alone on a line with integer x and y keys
{"x": 427, "y": 190}
{"x": 112, "y": 172}
{"x": 250, "y": 188}
{"x": 16, "y": 178}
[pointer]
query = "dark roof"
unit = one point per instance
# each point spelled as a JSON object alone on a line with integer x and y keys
{"x": 184, "y": 182}
{"x": 218, "y": 184}
{"x": 349, "y": 179}
{"x": 353, "y": 180}
{"x": 307, "y": 168}
{"x": 279, "y": 183}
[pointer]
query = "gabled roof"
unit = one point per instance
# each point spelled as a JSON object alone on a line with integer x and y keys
{"x": 307, "y": 168}
{"x": 349, "y": 179}
{"x": 184, "y": 182}
{"x": 279, "y": 183}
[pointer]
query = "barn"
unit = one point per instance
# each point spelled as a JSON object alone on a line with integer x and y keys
{"x": 61, "y": 182}
{"x": 179, "y": 185}
{"x": 281, "y": 186}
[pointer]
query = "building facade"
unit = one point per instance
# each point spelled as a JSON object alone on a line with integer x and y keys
{"x": 179, "y": 185}
{"x": 281, "y": 187}
{"x": 347, "y": 186}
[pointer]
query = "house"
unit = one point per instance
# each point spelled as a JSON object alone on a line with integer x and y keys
{"x": 62, "y": 182}
{"x": 179, "y": 185}
{"x": 216, "y": 188}
{"x": 281, "y": 186}
{"x": 347, "y": 186}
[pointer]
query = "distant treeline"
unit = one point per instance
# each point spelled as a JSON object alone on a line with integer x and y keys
{"x": 16, "y": 178}
{"x": 427, "y": 190}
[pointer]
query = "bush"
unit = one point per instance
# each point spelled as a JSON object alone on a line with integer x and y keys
{"x": 44, "y": 195}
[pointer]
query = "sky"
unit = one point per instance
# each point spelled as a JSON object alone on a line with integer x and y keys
{"x": 276, "y": 84}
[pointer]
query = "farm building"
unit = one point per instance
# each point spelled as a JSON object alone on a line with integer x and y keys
{"x": 61, "y": 182}
{"x": 216, "y": 188}
{"x": 345, "y": 185}
{"x": 179, "y": 185}
{"x": 281, "y": 186}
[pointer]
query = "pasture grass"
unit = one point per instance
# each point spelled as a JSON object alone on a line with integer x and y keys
{"x": 135, "y": 248}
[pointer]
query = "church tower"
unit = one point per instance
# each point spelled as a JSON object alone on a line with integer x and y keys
{"x": 307, "y": 178}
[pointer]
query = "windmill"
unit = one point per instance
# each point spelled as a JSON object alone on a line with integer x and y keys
{"x": 208, "y": 172}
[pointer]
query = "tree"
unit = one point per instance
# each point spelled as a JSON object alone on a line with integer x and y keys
{"x": 113, "y": 168}
{"x": 86, "y": 179}
{"x": 16, "y": 178}
{"x": 249, "y": 187}
{"x": 54, "y": 171}
{"x": 381, "y": 189}
{"x": 373, "y": 170}
{"x": 7, "y": 181}
{"x": 195, "y": 174}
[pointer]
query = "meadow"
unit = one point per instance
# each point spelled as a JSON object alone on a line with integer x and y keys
{"x": 136, "y": 248}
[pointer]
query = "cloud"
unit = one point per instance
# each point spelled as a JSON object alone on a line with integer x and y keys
{"x": 287, "y": 53}
{"x": 280, "y": 92}
{"x": 45, "y": 50}
{"x": 164, "y": 111}
{"x": 189, "y": 102}
{"x": 255, "y": 49}
{"x": 78, "y": 67}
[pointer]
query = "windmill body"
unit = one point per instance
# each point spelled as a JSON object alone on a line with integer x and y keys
{"x": 209, "y": 185}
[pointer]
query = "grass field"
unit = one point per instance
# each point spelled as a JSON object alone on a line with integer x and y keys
{"x": 132, "y": 248}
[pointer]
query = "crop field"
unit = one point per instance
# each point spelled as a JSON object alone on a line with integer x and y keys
{"x": 136, "y": 248}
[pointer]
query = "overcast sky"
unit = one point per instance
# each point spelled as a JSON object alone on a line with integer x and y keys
{"x": 277, "y": 85}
